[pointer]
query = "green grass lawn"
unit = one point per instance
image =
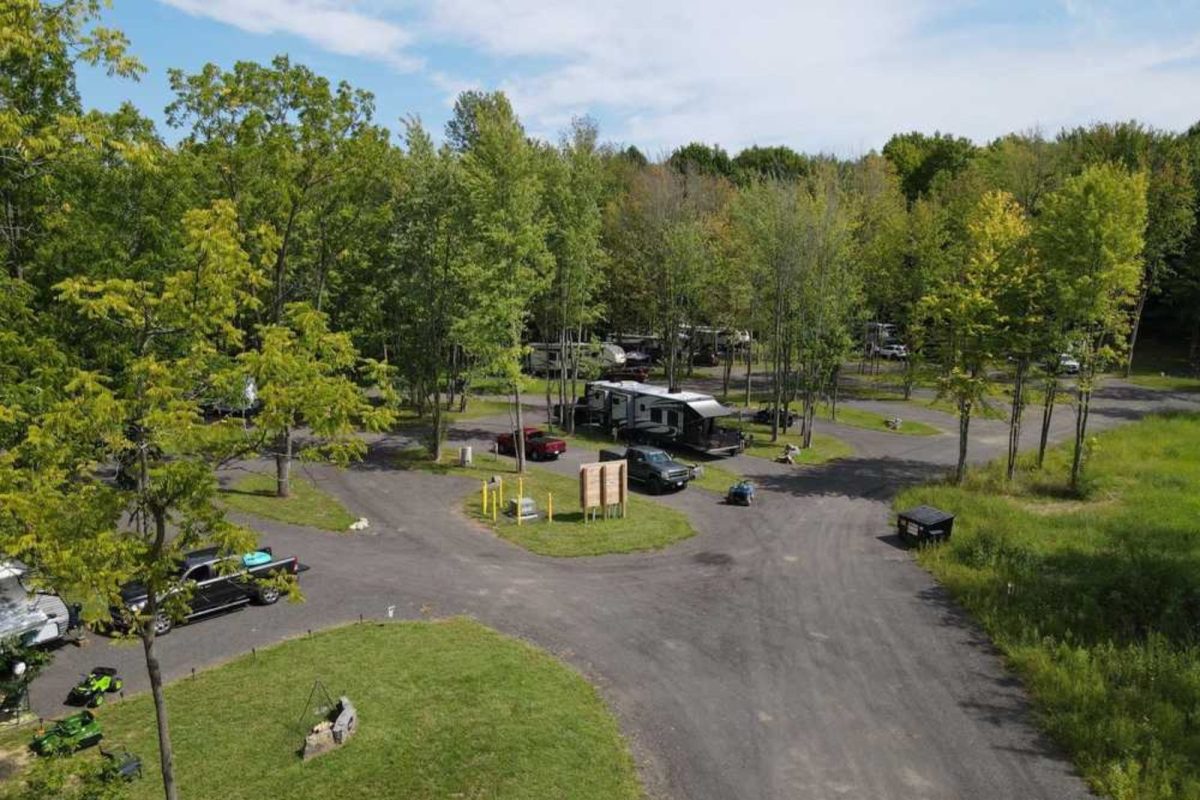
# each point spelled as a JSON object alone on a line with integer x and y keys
{"x": 861, "y": 418}
{"x": 824, "y": 447}
{"x": 1095, "y": 601}
{"x": 446, "y": 709}
{"x": 307, "y": 505}
{"x": 648, "y": 526}
{"x": 1159, "y": 365}
{"x": 477, "y": 408}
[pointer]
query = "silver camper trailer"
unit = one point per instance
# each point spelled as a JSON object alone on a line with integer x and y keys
{"x": 544, "y": 358}
{"x": 31, "y": 617}
{"x": 641, "y": 412}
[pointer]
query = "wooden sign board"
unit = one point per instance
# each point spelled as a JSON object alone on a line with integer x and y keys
{"x": 590, "y": 485}
{"x": 614, "y": 483}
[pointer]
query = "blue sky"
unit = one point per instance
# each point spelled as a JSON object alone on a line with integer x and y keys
{"x": 837, "y": 76}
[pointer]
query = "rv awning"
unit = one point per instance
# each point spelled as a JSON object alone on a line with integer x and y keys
{"x": 710, "y": 408}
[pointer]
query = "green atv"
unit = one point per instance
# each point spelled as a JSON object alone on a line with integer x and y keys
{"x": 68, "y": 735}
{"x": 91, "y": 689}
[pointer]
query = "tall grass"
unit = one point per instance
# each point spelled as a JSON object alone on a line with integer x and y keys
{"x": 1095, "y": 599}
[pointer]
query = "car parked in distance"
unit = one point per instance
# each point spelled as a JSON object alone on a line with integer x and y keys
{"x": 627, "y": 373}
{"x": 1068, "y": 364}
{"x": 893, "y": 351}
{"x": 766, "y": 414}
{"x": 539, "y": 445}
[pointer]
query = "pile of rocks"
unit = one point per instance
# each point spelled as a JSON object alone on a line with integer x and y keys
{"x": 333, "y": 732}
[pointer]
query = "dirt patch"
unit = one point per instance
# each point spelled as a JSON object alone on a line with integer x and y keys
{"x": 13, "y": 761}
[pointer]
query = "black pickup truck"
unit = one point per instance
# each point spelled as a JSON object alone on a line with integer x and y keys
{"x": 651, "y": 467}
{"x": 218, "y": 582}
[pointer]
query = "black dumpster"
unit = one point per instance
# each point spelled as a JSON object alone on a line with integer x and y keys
{"x": 924, "y": 524}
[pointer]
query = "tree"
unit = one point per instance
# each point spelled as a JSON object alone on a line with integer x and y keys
{"x": 276, "y": 140}
{"x": 963, "y": 313}
{"x": 303, "y": 375}
{"x": 1093, "y": 231}
{"x": 1170, "y": 195}
{"x": 41, "y": 117}
{"x": 919, "y": 159}
{"x": 506, "y": 262}
{"x": 88, "y": 535}
{"x": 574, "y": 191}
{"x": 778, "y": 163}
{"x": 422, "y": 288}
{"x": 702, "y": 159}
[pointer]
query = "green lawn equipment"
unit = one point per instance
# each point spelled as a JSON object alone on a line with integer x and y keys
{"x": 68, "y": 735}
{"x": 91, "y": 689}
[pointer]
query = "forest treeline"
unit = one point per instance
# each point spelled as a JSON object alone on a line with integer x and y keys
{"x": 278, "y": 233}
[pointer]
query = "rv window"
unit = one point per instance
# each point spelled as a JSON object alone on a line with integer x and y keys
{"x": 673, "y": 419}
{"x": 656, "y": 415}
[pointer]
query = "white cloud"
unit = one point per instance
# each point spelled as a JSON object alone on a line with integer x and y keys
{"x": 333, "y": 25}
{"x": 817, "y": 75}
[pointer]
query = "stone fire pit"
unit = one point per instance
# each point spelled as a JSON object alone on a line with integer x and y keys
{"x": 333, "y": 732}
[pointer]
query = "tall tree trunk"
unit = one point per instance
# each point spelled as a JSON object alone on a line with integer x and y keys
{"x": 283, "y": 464}
{"x": 964, "y": 428}
{"x": 1047, "y": 413}
{"x": 436, "y": 436}
{"x": 1016, "y": 412}
{"x": 1137, "y": 322}
{"x": 749, "y": 368}
{"x": 166, "y": 756}
{"x": 575, "y": 380}
{"x": 727, "y": 373}
{"x": 837, "y": 371}
{"x": 520, "y": 437}
{"x": 1081, "y": 420}
{"x": 1194, "y": 346}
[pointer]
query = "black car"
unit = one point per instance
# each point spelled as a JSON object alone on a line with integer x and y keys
{"x": 766, "y": 414}
{"x": 218, "y": 582}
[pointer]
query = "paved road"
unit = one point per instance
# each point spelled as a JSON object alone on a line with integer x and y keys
{"x": 791, "y": 650}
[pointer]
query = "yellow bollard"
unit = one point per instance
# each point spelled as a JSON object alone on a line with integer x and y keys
{"x": 483, "y": 493}
{"x": 549, "y": 507}
{"x": 501, "y": 489}
{"x": 495, "y": 505}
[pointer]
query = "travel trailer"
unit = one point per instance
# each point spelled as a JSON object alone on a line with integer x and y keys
{"x": 544, "y": 357}
{"x": 642, "y": 412}
{"x": 31, "y": 617}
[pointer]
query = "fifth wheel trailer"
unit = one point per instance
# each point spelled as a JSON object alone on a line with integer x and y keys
{"x": 642, "y": 412}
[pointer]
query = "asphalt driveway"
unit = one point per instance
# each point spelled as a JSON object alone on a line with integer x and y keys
{"x": 789, "y": 650}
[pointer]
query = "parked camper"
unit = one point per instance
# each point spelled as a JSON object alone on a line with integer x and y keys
{"x": 31, "y": 617}
{"x": 642, "y": 412}
{"x": 545, "y": 357}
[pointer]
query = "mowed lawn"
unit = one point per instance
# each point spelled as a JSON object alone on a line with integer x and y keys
{"x": 447, "y": 709}
{"x": 1094, "y": 600}
{"x": 649, "y": 525}
{"x": 307, "y": 504}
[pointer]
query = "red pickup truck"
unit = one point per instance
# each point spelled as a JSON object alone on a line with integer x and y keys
{"x": 539, "y": 445}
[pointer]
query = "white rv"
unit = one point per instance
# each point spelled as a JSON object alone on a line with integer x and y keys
{"x": 641, "y": 412}
{"x": 32, "y": 617}
{"x": 545, "y": 357}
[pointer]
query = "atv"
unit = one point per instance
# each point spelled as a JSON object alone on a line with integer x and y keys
{"x": 740, "y": 494}
{"x": 68, "y": 735}
{"x": 91, "y": 690}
